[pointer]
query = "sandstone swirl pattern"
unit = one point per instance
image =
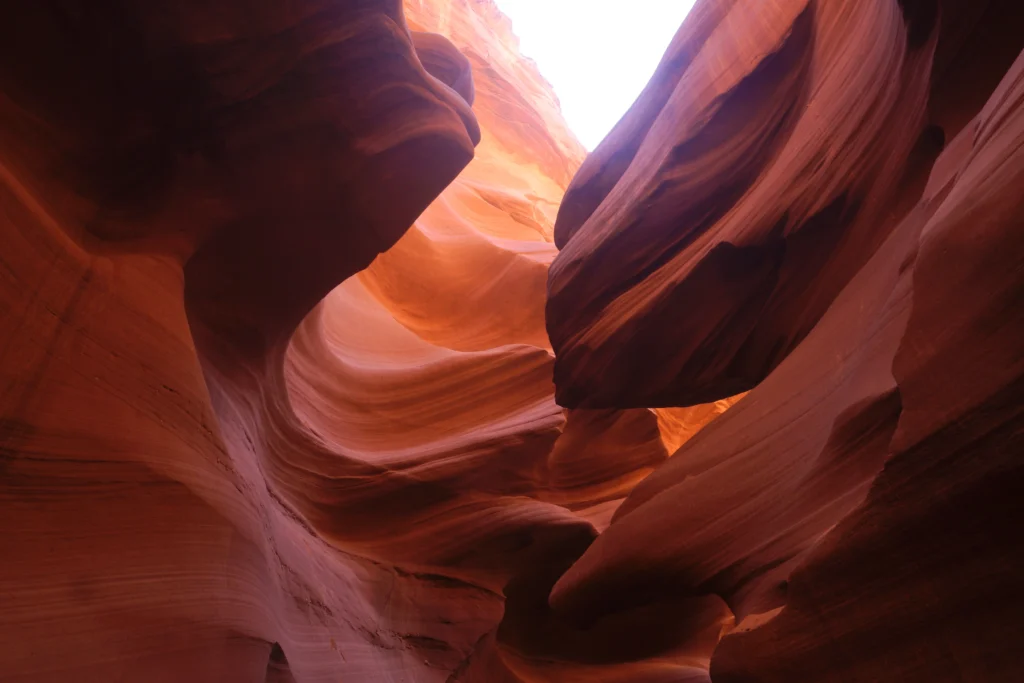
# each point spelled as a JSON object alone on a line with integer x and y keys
{"x": 276, "y": 399}
{"x": 175, "y": 171}
{"x": 775, "y": 213}
{"x": 216, "y": 465}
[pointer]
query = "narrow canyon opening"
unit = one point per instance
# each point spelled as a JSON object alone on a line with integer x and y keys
{"x": 334, "y": 349}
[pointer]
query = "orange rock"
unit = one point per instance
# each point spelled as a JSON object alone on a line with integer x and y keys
{"x": 932, "y": 554}
{"x": 218, "y": 464}
{"x": 277, "y": 151}
{"x": 277, "y": 399}
{"x": 777, "y": 152}
{"x": 854, "y": 509}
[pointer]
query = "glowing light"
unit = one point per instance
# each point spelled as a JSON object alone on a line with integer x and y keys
{"x": 597, "y": 54}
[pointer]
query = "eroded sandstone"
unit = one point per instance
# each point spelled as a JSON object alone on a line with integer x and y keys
{"x": 277, "y": 382}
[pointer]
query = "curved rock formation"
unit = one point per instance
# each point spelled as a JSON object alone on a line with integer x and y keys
{"x": 214, "y": 477}
{"x": 854, "y": 509}
{"x": 277, "y": 150}
{"x": 764, "y": 164}
{"x": 430, "y": 372}
{"x": 932, "y": 553}
{"x": 277, "y": 399}
{"x": 471, "y": 273}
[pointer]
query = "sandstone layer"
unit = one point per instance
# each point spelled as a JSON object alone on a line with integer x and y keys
{"x": 751, "y": 223}
{"x": 764, "y": 163}
{"x": 290, "y": 292}
{"x": 220, "y": 465}
{"x": 177, "y": 178}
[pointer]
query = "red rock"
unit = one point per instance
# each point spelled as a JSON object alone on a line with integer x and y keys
{"x": 142, "y": 542}
{"x": 932, "y": 555}
{"x": 277, "y": 398}
{"x": 756, "y": 193}
{"x": 219, "y": 466}
{"x": 854, "y": 509}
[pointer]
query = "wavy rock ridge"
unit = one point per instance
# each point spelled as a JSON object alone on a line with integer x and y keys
{"x": 268, "y": 487}
{"x": 195, "y": 181}
{"x": 780, "y": 212}
{"x": 277, "y": 381}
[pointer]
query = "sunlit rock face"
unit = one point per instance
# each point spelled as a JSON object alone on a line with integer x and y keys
{"x": 818, "y": 201}
{"x": 426, "y": 379}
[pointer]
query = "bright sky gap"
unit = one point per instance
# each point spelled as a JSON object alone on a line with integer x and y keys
{"x": 597, "y": 54}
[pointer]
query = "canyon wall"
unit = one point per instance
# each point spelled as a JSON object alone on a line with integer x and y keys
{"x": 179, "y": 178}
{"x": 220, "y": 465}
{"x": 819, "y": 202}
{"x": 290, "y": 292}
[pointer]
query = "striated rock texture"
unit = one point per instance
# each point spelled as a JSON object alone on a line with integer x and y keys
{"x": 780, "y": 210}
{"x": 178, "y": 177}
{"x": 932, "y": 552}
{"x": 283, "y": 302}
{"x": 765, "y": 162}
{"x": 219, "y": 465}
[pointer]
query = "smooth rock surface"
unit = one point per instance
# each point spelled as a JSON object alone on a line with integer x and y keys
{"x": 276, "y": 387}
{"x": 854, "y": 509}
{"x": 220, "y": 465}
{"x": 755, "y": 175}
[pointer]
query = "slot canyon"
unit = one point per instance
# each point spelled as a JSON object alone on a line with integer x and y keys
{"x": 329, "y": 355}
